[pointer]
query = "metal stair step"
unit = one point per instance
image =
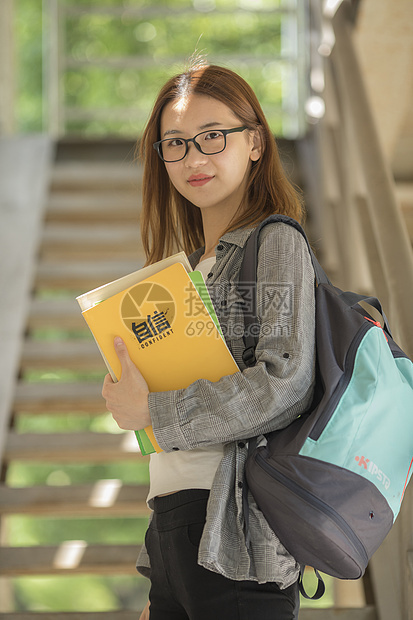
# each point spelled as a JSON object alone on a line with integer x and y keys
{"x": 59, "y": 398}
{"x": 60, "y": 313}
{"x": 72, "y": 175}
{"x": 94, "y": 234}
{"x": 84, "y": 241}
{"x": 96, "y": 207}
{"x": 305, "y": 614}
{"x": 362, "y": 613}
{"x": 104, "y": 498}
{"x": 69, "y": 558}
{"x": 404, "y": 193}
{"x": 72, "y": 354}
{"x": 71, "y": 615}
{"x": 72, "y": 447}
{"x": 79, "y": 275}
{"x": 368, "y": 613}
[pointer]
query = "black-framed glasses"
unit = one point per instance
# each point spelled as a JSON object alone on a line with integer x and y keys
{"x": 208, "y": 142}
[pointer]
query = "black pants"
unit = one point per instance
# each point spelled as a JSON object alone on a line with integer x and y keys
{"x": 183, "y": 590}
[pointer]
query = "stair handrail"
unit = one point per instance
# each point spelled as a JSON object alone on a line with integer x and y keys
{"x": 366, "y": 197}
{"x": 25, "y": 168}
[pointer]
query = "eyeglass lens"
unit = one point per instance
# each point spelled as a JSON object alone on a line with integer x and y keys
{"x": 210, "y": 142}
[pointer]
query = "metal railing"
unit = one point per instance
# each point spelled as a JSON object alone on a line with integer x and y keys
{"x": 365, "y": 246}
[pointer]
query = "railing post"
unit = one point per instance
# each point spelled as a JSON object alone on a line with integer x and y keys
{"x": 52, "y": 88}
{"x": 7, "y": 68}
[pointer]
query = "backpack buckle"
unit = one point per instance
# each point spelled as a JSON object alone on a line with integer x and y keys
{"x": 248, "y": 356}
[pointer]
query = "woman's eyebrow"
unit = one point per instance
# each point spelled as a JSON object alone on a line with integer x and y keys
{"x": 171, "y": 132}
{"x": 201, "y": 127}
{"x": 212, "y": 124}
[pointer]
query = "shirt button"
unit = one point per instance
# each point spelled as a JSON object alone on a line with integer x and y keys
{"x": 241, "y": 444}
{"x": 210, "y": 275}
{"x": 176, "y": 449}
{"x": 220, "y": 247}
{"x": 240, "y": 484}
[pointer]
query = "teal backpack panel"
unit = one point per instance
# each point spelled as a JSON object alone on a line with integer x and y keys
{"x": 367, "y": 420}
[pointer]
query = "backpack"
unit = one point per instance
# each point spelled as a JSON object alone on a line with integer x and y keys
{"x": 330, "y": 484}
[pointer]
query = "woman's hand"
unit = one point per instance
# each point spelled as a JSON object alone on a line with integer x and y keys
{"x": 145, "y": 614}
{"x": 127, "y": 400}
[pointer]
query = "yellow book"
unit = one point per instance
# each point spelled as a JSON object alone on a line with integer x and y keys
{"x": 169, "y": 333}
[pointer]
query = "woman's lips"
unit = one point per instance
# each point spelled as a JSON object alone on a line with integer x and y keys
{"x": 197, "y": 180}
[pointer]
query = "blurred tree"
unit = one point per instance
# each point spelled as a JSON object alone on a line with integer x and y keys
{"x": 28, "y": 27}
{"x": 118, "y": 53}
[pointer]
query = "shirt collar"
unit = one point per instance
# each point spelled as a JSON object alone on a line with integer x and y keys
{"x": 237, "y": 237}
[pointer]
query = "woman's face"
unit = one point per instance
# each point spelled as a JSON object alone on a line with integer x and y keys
{"x": 209, "y": 181}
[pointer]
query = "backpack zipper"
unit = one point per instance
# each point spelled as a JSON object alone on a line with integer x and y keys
{"x": 316, "y": 502}
{"x": 377, "y": 324}
{"x": 342, "y": 385}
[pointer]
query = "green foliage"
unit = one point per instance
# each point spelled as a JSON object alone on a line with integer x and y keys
{"x": 81, "y": 593}
{"x": 120, "y": 52}
{"x": 99, "y": 37}
{"x": 49, "y": 531}
{"x": 310, "y": 584}
{"x": 28, "y": 33}
{"x": 20, "y": 474}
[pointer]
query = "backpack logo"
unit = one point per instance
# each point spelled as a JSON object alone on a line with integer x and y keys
{"x": 374, "y": 470}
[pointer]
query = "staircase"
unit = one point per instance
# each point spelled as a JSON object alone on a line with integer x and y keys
{"x": 60, "y": 431}
{"x": 84, "y": 472}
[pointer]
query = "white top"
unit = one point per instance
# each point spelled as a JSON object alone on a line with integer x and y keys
{"x": 185, "y": 469}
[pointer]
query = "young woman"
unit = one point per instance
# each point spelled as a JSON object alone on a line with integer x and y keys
{"x": 212, "y": 173}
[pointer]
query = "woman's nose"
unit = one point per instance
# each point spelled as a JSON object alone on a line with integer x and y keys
{"x": 194, "y": 157}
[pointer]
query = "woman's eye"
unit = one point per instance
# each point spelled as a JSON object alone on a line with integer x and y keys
{"x": 175, "y": 142}
{"x": 213, "y": 135}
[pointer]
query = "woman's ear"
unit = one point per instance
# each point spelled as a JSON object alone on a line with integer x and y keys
{"x": 256, "y": 142}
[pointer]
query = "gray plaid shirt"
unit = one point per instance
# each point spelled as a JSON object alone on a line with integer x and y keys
{"x": 248, "y": 403}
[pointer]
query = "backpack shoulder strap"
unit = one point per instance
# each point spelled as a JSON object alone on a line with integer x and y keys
{"x": 248, "y": 281}
{"x": 248, "y": 286}
{"x": 249, "y": 264}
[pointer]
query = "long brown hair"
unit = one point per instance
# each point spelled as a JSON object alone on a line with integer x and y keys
{"x": 169, "y": 222}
